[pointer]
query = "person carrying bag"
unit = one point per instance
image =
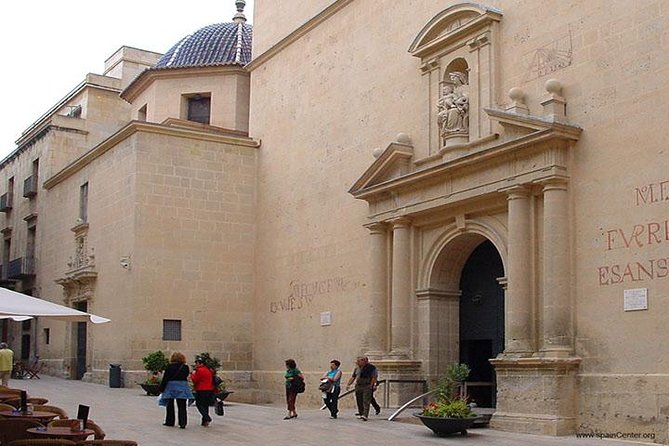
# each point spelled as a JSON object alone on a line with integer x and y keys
{"x": 331, "y": 387}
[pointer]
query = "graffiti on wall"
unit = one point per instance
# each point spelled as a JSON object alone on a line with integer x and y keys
{"x": 301, "y": 295}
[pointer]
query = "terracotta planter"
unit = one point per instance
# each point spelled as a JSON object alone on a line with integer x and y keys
{"x": 446, "y": 426}
{"x": 151, "y": 389}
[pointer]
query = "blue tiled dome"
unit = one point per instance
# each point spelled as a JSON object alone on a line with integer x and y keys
{"x": 218, "y": 44}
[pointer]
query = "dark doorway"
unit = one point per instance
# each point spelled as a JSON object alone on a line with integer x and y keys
{"x": 481, "y": 321}
{"x": 81, "y": 343}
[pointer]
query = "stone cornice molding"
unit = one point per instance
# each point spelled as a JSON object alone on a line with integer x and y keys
{"x": 511, "y": 363}
{"x": 466, "y": 161}
{"x": 92, "y": 81}
{"x": 143, "y": 127}
{"x": 297, "y": 34}
{"x": 150, "y": 75}
{"x": 567, "y": 131}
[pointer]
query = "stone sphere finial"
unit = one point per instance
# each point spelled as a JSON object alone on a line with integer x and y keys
{"x": 517, "y": 95}
{"x": 377, "y": 152}
{"x": 553, "y": 86}
{"x": 403, "y": 138}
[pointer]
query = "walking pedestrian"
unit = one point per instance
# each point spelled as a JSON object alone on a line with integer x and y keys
{"x": 203, "y": 384}
{"x": 365, "y": 383}
{"x": 331, "y": 396}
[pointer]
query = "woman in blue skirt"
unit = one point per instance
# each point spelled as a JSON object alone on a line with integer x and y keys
{"x": 174, "y": 386}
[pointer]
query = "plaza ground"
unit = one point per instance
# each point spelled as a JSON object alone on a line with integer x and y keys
{"x": 128, "y": 413}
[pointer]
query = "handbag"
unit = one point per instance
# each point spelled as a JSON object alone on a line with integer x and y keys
{"x": 220, "y": 411}
{"x": 297, "y": 385}
{"x": 325, "y": 386}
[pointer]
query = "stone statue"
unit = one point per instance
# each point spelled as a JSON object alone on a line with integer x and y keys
{"x": 453, "y": 106}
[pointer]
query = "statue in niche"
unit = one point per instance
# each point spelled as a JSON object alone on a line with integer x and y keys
{"x": 453, "y": 106}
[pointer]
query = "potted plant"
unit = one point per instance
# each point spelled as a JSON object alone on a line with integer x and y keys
{"x": 449, "y": 412}
{"x": 155, "y": 363}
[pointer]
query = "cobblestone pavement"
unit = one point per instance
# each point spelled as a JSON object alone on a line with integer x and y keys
{"x": 130, "y": 414}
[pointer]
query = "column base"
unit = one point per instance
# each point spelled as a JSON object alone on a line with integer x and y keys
{"x": 395, "y": 392}
{"x": 536, "y": 395}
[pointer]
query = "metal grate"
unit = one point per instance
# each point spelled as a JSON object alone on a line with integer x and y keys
{"x": 171, "y": 330}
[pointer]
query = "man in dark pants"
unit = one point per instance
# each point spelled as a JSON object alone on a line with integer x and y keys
{"x": 365, "y": 383}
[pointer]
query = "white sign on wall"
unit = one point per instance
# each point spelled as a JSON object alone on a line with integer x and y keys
{"x": 326, "y": 318}
{"x": 636, "y": 299}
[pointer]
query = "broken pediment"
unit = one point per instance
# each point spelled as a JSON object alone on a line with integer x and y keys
{"x": 391, "y": 163}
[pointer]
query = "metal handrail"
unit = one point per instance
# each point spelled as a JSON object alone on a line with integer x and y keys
{"x": 408, "y": 403}
{"x": 348, "y": 392}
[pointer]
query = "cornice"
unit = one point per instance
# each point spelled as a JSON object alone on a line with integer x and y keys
{"x": 476, "y": 158}
{"x": 150, "y": 75}
{"x": 297, "y": 34}
{"x": 143, "y": 127}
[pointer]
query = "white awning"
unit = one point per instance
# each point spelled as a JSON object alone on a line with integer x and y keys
{"x": 19, "y": 307}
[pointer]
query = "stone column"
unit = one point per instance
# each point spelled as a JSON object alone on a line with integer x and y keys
{"x": 378, "y": 291}
{"x": 557, "y": 330}
{"x": 519, "y": 286}
{"x": 401, "y": 288}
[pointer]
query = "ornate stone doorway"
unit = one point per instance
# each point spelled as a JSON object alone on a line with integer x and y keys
{"x": 481, "y": 321}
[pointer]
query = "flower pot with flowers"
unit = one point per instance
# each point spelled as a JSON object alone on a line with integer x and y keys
{"x": 155, "y": 363}
{"x": 450, "y": 412}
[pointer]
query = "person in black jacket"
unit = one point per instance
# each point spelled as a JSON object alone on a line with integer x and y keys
{"x": 365, "y": 377}
{"x": 174, "y": 386}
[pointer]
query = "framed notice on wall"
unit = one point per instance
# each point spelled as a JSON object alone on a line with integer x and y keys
{"x": 635, "y": 299}
{"x": 326, "y": 318}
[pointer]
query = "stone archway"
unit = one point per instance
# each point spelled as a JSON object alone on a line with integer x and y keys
{"x": 440, "y": 291}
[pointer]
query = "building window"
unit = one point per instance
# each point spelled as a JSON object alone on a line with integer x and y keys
{"x": 171, "y": 330}
{"x": 30, "y": 183}
{"x": 141, "y": 114}
{"x": 25, "y": 325}
{"x": 83, "y": 203}
{"x": 47, "y": 336}
{"x": 199, "y": 108}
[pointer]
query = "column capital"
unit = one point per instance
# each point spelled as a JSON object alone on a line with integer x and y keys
{"x": 554, "y": 183}
{"x": 516, "y": 192}
{"x": 400, "y": 222}
{"x": 378, "y": 227}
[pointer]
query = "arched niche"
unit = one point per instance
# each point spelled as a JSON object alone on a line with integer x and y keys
{"x": 463, "y": 38}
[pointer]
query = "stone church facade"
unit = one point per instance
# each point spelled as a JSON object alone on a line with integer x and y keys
{"x": 431, "y": 183}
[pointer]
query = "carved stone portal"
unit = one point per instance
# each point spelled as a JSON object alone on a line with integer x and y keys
{"x": 79, "y": 280}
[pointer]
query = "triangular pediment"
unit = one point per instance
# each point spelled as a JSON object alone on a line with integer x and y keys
{"x": 392, "y": 163}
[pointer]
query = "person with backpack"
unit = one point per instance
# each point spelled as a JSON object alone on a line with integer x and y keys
{"x": 203, "y": 384}
{"x": 294, "y": 385}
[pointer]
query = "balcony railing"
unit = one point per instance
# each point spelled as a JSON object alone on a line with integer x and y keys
{"x": 21, "y": 268}
{"x": 30, "y": 187}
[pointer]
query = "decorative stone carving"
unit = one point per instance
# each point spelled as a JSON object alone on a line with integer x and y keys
{"x": 453, "y": 107}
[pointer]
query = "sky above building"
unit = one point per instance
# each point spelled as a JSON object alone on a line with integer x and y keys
{"x": 48, "y": 47}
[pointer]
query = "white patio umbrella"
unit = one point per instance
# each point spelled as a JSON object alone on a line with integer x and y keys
{"x": 19, "y": 307}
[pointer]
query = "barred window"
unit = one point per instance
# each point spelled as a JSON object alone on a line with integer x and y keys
{"x": 171, "y": 330}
